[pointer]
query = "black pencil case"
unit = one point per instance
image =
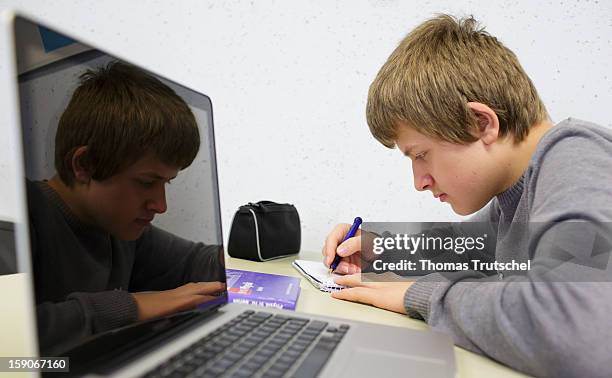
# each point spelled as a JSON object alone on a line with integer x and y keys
{"x": 264, "y": 231}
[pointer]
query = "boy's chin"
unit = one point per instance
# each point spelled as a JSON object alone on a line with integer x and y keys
{"x": 468, "y": 208}
{"x": 463, "y": 210}
{"x": 129, "y": 235}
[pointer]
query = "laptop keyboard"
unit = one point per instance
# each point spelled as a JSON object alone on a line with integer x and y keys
{"x": 257, "y": 344}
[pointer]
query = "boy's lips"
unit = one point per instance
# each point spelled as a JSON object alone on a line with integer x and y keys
{"x": 144, "y": 220}
{"x": 441, "y": 196}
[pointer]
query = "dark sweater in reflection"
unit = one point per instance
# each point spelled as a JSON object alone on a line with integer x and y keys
{"x": 83, "y": 276}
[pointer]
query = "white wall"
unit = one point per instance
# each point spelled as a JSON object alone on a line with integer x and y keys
{"x": 288, "y": 81}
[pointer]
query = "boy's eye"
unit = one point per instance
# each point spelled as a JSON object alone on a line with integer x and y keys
{"x": 150, "y": 184}
{"x": 146, "y": 184}
{"x": 420, "y": 156}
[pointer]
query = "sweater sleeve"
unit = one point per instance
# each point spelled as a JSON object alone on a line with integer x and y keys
{"x": 554, "y": 321}
{"x": 165, "y": 261}
{"x": 65, "y": 323}
{"x": 62, "y": 325}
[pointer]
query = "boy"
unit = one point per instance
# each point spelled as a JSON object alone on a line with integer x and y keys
{"x": 456, "y": 101}
{"x": 122, "y": 138}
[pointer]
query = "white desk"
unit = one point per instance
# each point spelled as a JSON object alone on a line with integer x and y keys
{"x": 313, "y": 301}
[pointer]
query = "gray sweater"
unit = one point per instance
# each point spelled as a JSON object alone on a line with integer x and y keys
{"x": 83, "y": 276}
{"x": 556, "y": 320}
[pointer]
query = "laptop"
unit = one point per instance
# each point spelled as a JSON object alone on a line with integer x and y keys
{"x": 218, "y": 338}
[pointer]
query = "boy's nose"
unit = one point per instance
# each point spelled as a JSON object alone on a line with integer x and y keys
{"x": 422, "y": 181}
{"x": 158, "y": 203}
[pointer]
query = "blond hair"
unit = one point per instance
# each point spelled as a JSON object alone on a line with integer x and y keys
{"x": 436, "y": 70}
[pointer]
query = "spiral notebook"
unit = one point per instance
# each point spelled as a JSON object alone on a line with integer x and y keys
{"x": 318, "y": 275}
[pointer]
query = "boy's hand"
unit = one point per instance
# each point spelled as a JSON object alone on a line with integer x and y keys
{"x": 350, "y": 251}
{"x": 155, "y": 305}
{"x": 386, "y": 295}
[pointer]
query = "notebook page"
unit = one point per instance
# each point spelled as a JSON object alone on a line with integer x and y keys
{"x": 318, "y": 274}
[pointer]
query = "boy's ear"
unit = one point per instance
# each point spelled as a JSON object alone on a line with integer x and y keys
{"x": 488, "y": 123}
{"x": 80, "y": 168}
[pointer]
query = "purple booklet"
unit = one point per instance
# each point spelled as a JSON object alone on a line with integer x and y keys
{"x": 262, "y": 289}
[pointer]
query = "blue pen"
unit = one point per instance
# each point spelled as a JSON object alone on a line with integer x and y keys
{"x": 350, "y": 234}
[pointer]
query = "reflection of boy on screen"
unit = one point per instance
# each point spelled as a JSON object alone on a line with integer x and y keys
{"x": 122, "y": 138}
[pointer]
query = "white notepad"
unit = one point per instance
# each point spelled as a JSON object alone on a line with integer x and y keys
{"x": 318, "y": 274}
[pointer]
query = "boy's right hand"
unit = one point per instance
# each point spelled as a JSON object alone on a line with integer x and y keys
{"x": 153, "y": 305}
{"x": 350, "y": 250}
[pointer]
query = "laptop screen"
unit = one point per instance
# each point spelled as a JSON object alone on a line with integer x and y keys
{"x": 8, "y": 254}
{"x": 108, "y": 233}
